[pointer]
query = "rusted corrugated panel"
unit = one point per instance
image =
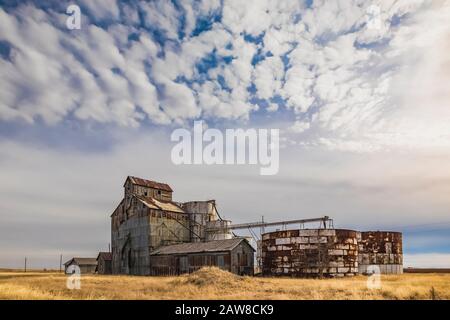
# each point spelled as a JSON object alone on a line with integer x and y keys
{"x": 168, "y": 206}
{"x": 310, "y": 253}
{"x": 198, "y": 247}
{"x": 382, "y": 249}
{"x": 148, "y": 202}
{"x": 153, "y": 203}
{"x": 150, "y": 184}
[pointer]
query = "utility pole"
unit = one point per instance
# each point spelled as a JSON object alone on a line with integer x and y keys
{"x": 60, "y": 263}
{"x": 262, "y": 225}
{"x": 25, "y": 267}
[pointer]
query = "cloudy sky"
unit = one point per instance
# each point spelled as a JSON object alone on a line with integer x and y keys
{"x": 359, "y": 90}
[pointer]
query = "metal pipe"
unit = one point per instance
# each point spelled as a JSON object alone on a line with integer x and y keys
{"x": 323, "y": 219}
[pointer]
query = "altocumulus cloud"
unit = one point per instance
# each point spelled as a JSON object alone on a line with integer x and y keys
{"x": 167, "y": 62}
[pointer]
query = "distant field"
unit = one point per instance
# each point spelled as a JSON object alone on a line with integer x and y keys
{"x": 213, "y": 283}
{"x": 426, "y": 270}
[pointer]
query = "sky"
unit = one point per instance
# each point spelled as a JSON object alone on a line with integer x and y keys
{"x": 359, "y": 91}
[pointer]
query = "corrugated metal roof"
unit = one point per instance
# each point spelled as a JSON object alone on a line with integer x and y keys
{"x": 167, "y": 205}
{"x": 150, "y": 183}
{"x": 105, "y": 255}
{"x": 153, "y": 203}
{"x": 148, "y": 202}
{"x": 198, "y": 247}
{"x": 82, "y": 261}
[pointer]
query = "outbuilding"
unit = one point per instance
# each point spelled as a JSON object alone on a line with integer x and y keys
{"x": 86, "y": 265}
{"x": 104, "y": 260}
{"x": 234, "y": 255}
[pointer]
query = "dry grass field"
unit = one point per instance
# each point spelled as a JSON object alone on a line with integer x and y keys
{"x": 212, "y": 283}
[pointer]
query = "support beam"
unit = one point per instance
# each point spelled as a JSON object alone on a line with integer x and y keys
{"x": 262, "y": 224}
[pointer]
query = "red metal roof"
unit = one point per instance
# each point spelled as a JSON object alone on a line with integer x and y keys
{"x": 150, "y": 183}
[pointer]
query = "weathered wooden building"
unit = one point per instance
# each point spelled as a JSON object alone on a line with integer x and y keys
{"x": 104, "y": 263}
{"x": 86, "y": 265}
{"x": 234, "y": 255}
{"x": 147, "y": 218}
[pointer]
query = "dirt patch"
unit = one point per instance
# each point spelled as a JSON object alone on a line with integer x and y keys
{"x": 211, "y": 276}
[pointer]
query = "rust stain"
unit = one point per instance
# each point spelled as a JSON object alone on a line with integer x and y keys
{"x": 310, "y": 253}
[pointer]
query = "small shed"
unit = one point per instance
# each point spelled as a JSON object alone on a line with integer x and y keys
{"x": 104, "y": 263}
{"x": 235, "y": 255}
{"x": 86, "y": 265}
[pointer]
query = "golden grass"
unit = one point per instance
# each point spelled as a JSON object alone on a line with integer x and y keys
{"x": 213, "y": 283}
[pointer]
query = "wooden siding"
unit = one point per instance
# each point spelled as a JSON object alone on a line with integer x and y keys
{"x": 238, "y": 261}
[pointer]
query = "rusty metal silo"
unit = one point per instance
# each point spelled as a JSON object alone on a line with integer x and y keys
{"x": 382, "y": 250}
{"x": 310, "y": 253}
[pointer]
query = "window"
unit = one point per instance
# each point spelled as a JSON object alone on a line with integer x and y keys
{"x": 159, "y": 192}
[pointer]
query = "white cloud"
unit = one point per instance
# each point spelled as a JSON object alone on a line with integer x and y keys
{"x": 372, "y": 98}
{"x": 299, "y": 126}
{"x": 218, "y": 103}
{"x": 74, "y": 72}
{"x": 358, "y": 86}
{"x": 251, "y": 17}
{"x": 332, "y": 16}
{"x": 102, "y": 9}
{"x": 179, "y": 102}
{"x": 272, "y": 107}
{"x": 162, "y": 14}
{"x": 279, "y": 41}
{"x": 267, "y": 77}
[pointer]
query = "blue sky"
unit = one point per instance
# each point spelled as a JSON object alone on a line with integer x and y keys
{"x": 362, "y": 102}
